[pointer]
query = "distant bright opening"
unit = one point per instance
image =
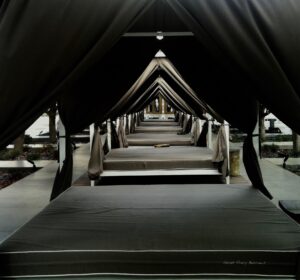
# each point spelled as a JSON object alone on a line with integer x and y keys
{"x": 160, "y": 54}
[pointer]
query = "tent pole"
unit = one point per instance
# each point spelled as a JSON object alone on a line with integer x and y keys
{"x": 209, "y": 132}
{"x": 196, "y": 129}
{"x": 129, "y": 123}
{"x": 92, "y": 131}
{"x": 227, "y": 132}
{"x": 117, "y": 123}
{"x": 109, "y": 134}
{"x": 61, "y": 143}
{"x": 199, "y": 128}
{"x": 256, "y": 138}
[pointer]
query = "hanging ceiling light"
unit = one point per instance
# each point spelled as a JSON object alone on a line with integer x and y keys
{"x": 159, "y": 35}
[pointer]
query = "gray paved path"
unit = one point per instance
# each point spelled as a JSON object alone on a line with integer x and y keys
{"x": 22, "y": 200}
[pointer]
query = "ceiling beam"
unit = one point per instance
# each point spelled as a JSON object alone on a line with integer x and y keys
{"x": 154, "y": 34}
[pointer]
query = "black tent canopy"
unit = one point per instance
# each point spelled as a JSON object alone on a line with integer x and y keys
{"x": 155, "y": 68}
{"x": 241, "y": 53}
{"x": 154, "y": 91}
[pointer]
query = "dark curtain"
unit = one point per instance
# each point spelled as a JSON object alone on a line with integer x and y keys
{"x": 242, "y": 52}
{"x": 188, "y": 125}
{"x": 95, "y": 165}
{"x": 115, "y": 144}
{"x": 247, "y": 56}
{"x": 45, "y": 46}
{"x": 127, "y": 125}
{"x": 257, "y": 43}
{"x": 176, "y": 116}
{"x": 201, "y": 141}
{"x": 63, "y": 178}
{"x": 159, "y": 86}
{"x": 105, "y": 83}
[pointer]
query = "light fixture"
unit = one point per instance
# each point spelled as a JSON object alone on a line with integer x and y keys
{"x": 159, "y": 35}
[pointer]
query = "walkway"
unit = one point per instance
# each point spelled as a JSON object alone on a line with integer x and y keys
{"x": 282, "y": 184}
{"x": 24, "y": 199}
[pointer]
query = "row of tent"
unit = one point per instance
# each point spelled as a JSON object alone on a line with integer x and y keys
{"x": 88, "y": 55}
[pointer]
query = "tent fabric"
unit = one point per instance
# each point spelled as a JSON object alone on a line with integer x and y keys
{"x": 202, "y": 142}
{"x": 195, "y": 129}
{"x": 95, "y": 165}
{"x": 127, "y": 125}
{"x": 188, "y": 125}
{"x": 36, "y": 67}
{"x": 63, "y": 178}
{"x": 132, "y": 123}
{"x": 184, "y": 122}
{"x": 180, "y": 119}
{"x": 258, "y": 38}
{"x": 159, "y": 86}
{"x": 176, "y": 116}
{"x": 121, "y": 134}
{"x": 242, "y": 53}
{"x": 162, "y": 64}
{"x": 114, "y": 136}
{"x": 138, "y": 119}
{"x": 220, "y": 155}
{"x": 252, "y": 166}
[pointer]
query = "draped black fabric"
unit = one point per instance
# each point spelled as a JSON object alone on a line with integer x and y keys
{"x": 132, "y": 123}
{"x": 127, "y": 125}
{"x": 158, "y": 87}
{"x": 63, "y": 178}
{"x": 224, "y": 92}
{"x": 45, "y": 46}
{"x": 72, "y": 52}
{"x": 95, "y": 165}
{"x": 124, "y": 64}
{"x": 188, "y": 125}
{"x": 257, "y": 42}
{"x": 252, "y": 166}
{"x": 201, "y": 142}
{"x": 140, "y": 93}
{"x": 115, "y": 144}
{"x": 176, "y": 116}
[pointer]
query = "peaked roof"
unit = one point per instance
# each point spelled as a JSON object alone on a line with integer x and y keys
{"x": 241, "y": 53}
{"x": 165, "y": 65}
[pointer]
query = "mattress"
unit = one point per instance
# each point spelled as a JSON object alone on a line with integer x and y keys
{"x": 159, "y": 123}
{"x": 158, "y": 129}
{"x": 145, "y": 158}
{"x": 151, "y": 139}
{"x": 156, "y": 120}
{"x": 165, "y": 230}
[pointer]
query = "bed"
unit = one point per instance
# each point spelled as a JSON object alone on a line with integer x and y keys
{"x": 151, "y": 139}
{"x": 159, "y": 123}
{"x": 146, "y": 158}
{"x": 158, "y": 129}
{"x": 155, "y": 231}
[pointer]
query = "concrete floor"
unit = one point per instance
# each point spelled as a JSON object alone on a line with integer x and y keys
{"x": 25, "y": 198}
{"x": 282, "y": 184}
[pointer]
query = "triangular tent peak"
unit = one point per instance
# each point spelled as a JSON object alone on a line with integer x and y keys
{"x": 159, "y": 54}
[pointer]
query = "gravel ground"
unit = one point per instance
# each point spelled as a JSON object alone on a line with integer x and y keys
{"x": 7, "y": 177}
